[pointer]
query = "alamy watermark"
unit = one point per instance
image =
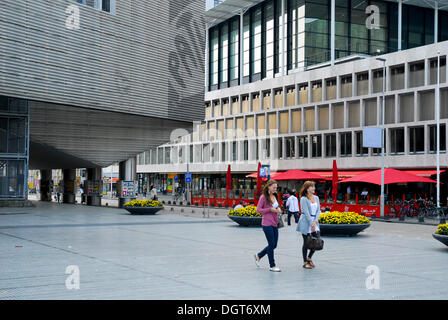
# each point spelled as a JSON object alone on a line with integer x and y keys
{"x": 73, "y": 280}
{"x": 373, "y": 280}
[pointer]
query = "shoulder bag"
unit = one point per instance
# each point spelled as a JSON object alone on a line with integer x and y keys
{"x": 314, "y": 243}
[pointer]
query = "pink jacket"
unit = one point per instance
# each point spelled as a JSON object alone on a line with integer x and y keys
{"x": 269, "y": 218}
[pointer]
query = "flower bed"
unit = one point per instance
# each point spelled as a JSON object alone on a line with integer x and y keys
{"x": 249, "y": 211}
{"x": 442, "y": 233}
{"x": 143, "y": 203}
{"x": 342, "y": 223}
{"x": 143, "y": 206}
{"x": 336, "y": 217}
{"x": 246, "y": 216}
{"x": 442, "y": 229}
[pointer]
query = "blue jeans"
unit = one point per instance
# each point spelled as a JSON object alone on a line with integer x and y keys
{"x": 271, "y": 234}
{"x": 296, "y": 217}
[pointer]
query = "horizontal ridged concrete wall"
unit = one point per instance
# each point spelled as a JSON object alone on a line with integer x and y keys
{"x": 146, "y": 59}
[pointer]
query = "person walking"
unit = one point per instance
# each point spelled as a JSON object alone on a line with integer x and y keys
{"x": 292, "y": 204}
{"x": 269, "y": 207}
{"x": 309, "y": 220}
{"x": 152, "y": 193}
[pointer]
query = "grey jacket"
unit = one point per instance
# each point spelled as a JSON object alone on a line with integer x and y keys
{"x": 306, "y": 220}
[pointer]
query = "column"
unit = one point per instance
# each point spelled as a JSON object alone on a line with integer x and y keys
{"x": 283, "y": 51}
{"x": 127, "y": 171}
{"x": 69, "y": 185}
{"x": 436, "y": 22}
{"x": 93, "y": 186}
{"x": 241, "y": 51}
{"x": 45, "y": 185}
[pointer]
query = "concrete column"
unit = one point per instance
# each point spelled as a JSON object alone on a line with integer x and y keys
{"x": 45, "y": 185}
{"x": 69, "y": 185}
{"x": 436, "y": 22}
{"x": 94, "y": 176}
{"x": 333, "y": 31}
{"x": 127, "y": 171}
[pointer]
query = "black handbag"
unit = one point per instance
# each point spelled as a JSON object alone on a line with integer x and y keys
{"x": 314, "y": 243}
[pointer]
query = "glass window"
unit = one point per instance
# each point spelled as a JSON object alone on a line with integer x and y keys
{"x": 416, "y": 140}
{"x": 223, "y": 53}
{"x": 303, "y": 147}
{"x": 12, "y": 178}
{"x": 3, "y": 135}
{"x": 433, "y": 138}
{"x": 214, "y": 56}
{"x": 255, "y": 43}
{"x": 234, "y": 49}
{"x": 360, "y": 150}
{"x": 330, "y": 145}
{"x": 316, "y": 146}
{"x": 290, "y": 148}
{"x": 346, "y": 144}
{"x": 397, "y": 141}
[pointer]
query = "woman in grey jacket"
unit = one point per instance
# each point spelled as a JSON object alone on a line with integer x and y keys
{"x": 309, "y": 219}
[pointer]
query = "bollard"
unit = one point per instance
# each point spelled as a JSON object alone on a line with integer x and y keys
{"x": 182, "y": 210}
{"x": 421, "y": 218}
{"x": 172, "y": 209}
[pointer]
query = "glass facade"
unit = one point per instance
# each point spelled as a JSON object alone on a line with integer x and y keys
{"x": 13, "y": 148}
{"x": 361, "y": 27}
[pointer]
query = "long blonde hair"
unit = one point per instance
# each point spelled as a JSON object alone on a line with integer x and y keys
{"x": 304, "y": 189}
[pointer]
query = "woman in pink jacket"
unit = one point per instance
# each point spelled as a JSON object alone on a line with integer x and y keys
{"x": 269, "y": 208}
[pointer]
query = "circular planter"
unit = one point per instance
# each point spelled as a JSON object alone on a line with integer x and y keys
{"x": 143, "y": 210}
{"x": 342, "y": 229}
{"x": 442, "y": 238}
{"x": 246, "y": 221}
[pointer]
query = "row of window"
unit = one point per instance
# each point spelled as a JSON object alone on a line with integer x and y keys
{"x": 103, "y": 5}
{"x": 308, "y": 147}
{"x": 308, "y": 36}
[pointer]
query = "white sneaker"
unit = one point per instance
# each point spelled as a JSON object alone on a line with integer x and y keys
{"x": 257, "y": 261}
{"x": 275, "y": 269}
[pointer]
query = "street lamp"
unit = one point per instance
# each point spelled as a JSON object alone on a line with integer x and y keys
{"x": 383, "y": 114}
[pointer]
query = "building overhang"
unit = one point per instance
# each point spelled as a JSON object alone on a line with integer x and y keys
{"x": 229, "y": 8}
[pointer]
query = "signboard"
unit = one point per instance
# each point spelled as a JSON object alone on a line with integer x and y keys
{"x": 188, "y": 177}
{"x": 372, "y": 137}
{"x": 265, "y": 171}
{"x": 93, "y": 187}
{"x": 176, "y": 178}
{"x": 126, "y": 189}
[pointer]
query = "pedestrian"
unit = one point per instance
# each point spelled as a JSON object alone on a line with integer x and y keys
{"x": 58, "y": 196}
{"x": 145, "y": 189}
{"x": 269, "y": 207}
{"x": 240, "y": 205}
{"x": 152, "y": 193}
{"x": 292, "y": 204}
{"x": 309, "y": 219}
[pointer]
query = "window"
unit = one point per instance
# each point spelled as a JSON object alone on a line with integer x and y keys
{"x": 303, "y": 147}
{"x": 280, "y": 148}
{"x": 316, "y": 146}
{"x": 223, "y": 151}
{"x": 234, "y": 151}
{"x": 433, "y": 138}
{"x": 290, "y": 148}
{"x": 416, "y": 140}
{"x": 346, "y": 144}
{"x": 330, "y": 145}
{"x": 234, "y": 51}
{"x": 397, "y": 141}
{"x": 360, "y": 150}
{"x": 268, "y": 148}
{"x": 246, "y": 150}
{"x": 213, "y": 57}
{"x": 104, "y": 5}
{"x": 191, "y": 154}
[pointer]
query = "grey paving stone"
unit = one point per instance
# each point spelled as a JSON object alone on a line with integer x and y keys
{"x": 173, "y": 256}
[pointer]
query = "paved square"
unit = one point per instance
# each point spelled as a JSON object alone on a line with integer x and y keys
{"x": 172, "y": 256}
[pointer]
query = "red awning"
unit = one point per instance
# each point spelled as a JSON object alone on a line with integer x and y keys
{"x": 296, "y": 174}
{"x": 390, "y": 176}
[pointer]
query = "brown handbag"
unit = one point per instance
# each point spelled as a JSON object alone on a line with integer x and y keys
{"x": 314, "y": 243}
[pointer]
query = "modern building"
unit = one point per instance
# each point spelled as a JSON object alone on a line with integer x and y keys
{"x": 89, "y": 83}
{"x": 292, "y": 84}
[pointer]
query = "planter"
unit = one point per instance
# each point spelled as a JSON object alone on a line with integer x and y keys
{"x": 143, "y": 210}
{"x": 246, "y": 221}
{"x": 342, "y": 229}
{"x": 442, "y": 238}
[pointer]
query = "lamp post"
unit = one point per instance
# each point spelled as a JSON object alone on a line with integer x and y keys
{"x": 383, "y": 114}
{"x": 437, "y": 96}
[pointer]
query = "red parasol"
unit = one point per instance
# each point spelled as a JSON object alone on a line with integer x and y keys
{"x": 296, "y": 174}
{"x": 258, "y": 180}
{"x": 335, "y": 181}
{"x": 228, "y": 179}
{"x": 390, "y": 176}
